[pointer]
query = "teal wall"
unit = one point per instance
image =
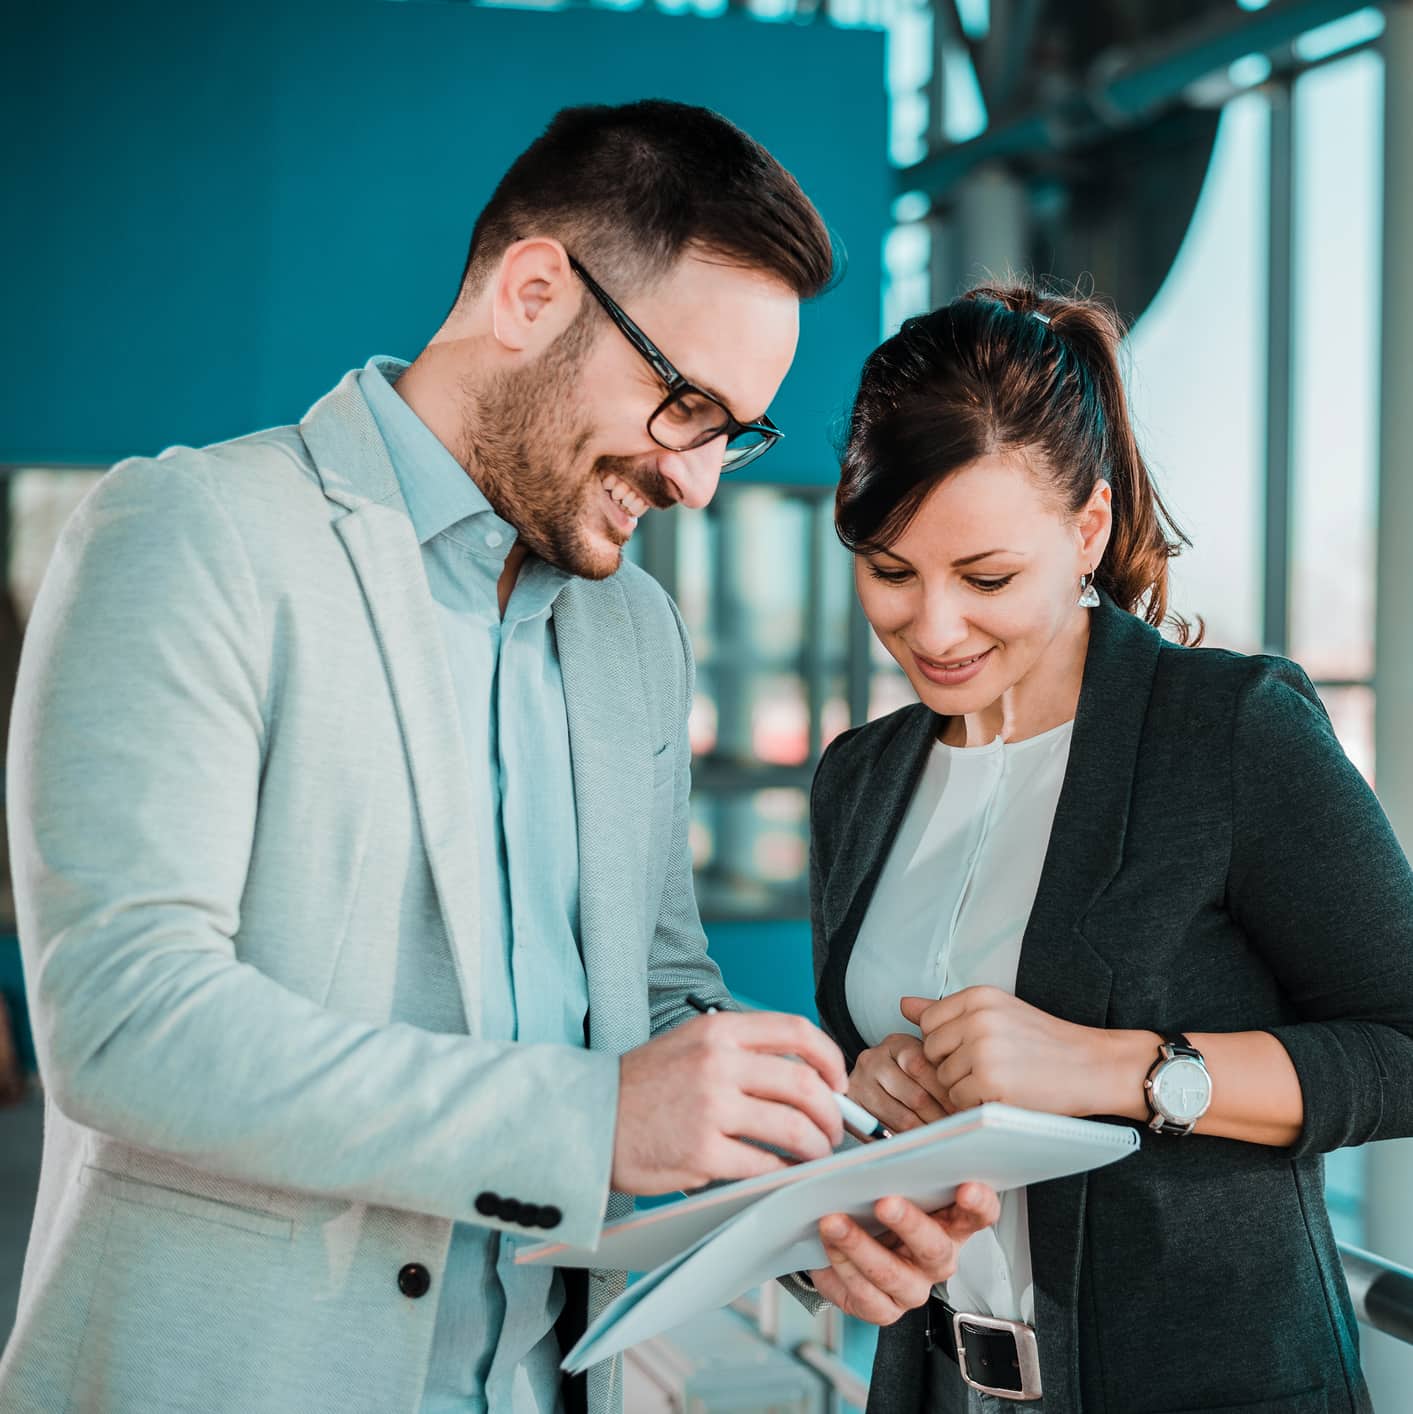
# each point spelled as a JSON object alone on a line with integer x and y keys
{"x": 766, "y": 964}
{"x": 216, "y": 209}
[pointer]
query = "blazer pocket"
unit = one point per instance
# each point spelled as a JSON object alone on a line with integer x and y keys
{"x": 664, "y": 774}
{"x": 1310, "y": 1401}
{"x": 174, "y": 1200}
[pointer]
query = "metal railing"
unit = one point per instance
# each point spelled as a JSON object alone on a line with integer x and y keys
{"x": 1381, "y": 1292}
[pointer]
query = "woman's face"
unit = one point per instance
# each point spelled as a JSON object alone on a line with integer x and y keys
{"x": 983, "y": 584}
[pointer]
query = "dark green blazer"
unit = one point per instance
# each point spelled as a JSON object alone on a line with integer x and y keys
{"x": 1216, "y": 864}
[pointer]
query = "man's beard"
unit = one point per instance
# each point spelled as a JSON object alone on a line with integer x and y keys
{"x": 524, "y": 438}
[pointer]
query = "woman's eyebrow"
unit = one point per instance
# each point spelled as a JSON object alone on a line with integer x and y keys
{"x": 972, "y": 559}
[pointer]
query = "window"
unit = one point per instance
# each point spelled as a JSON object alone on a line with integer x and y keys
{"x": 1338, "y": 171}
{"x": 767, "y": 594}
{"x": 1198, "y": 385}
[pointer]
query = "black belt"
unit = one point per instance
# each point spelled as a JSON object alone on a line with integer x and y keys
{"x": 993, "y": 1358}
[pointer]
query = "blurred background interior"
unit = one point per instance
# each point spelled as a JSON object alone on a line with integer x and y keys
{"x": 216, "y": 210}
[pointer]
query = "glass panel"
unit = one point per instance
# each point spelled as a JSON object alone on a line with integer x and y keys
{"x": 1351, "y": 711}
{"x": 702, "y": 724}
{"x": 763, "y": 551}
{"x": 766, "y": 591}
{"x": 41, "y": 501}
{"x": 1338, "y": 231}
{"x": 780, "y": 719}
{"x": 834, "y": 718}
{"x": 696, "y": 542}
{"x": 751, "y": 849}
{"x": 702, "y": 831}
{"x": 907, "y": 274}
{"x": 1198, "y": 384}
{"x": 889, "y": 690}
{"x": 1344, "y": 1193}
{"x": 838, "y": 586}
{"x": 909, "y": 67}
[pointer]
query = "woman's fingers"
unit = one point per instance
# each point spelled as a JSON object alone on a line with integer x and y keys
{"x": 894, "y": 1114}
{"x": 895, "y": 1082}
{"x": 908, "y": 1093}
{"x": 953, "y": 1071}
{"x": 974, "y": 1207}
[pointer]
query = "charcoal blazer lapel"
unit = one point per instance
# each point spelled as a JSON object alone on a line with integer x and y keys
{"x": 1059, "y": 972}
{"x": 863, "y": 835}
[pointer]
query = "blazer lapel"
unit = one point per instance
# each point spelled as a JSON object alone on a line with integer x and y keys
{"x": 610, "y": 750}
{"x": 377, "y": 532}
{"x": 1059, "y": 972}
{"x": 864, "y": 840}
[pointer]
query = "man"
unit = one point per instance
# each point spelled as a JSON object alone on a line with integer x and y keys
{"x": 349, "y": 805}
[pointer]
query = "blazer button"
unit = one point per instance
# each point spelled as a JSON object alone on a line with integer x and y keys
{"x": 414, "y": 1280}
{"x": 488, "y": 1205}
{"x": 512, "y": 1210}
{"x": 550, "y": 1216}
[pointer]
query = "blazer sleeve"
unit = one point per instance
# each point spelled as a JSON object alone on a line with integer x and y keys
{"x": 1323, "y": 891}
{"x": 138, "y": 735}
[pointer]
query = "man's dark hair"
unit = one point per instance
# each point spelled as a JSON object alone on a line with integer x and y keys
{"x": 627, "y": 189}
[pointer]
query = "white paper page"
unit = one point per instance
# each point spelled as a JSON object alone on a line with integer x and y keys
{"x": 642, "y": 1241}
{"x": 619, "y": 1308}
{"x": 778, "y": 1234}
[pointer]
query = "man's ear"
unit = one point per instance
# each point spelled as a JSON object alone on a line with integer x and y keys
{"x": 535, "y": 296}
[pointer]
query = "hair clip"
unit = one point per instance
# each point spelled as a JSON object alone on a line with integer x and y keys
{"x": 1040, "y": 315}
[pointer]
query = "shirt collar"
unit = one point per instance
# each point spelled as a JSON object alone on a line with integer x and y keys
{"x": 434, "y": 484}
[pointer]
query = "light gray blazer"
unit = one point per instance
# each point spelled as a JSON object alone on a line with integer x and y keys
{"x": 237, "y": 788}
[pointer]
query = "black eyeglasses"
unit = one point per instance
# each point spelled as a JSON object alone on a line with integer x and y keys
{"x": 688, "y": 416}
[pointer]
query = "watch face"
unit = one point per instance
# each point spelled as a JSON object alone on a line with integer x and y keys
{"x": 1182, "y": 1090}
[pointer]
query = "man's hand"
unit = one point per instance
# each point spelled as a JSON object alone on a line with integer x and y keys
{"x": 877, "y": 1280}
{"x": 895, "y": 1082}
{"x": 988, "y": 1045}
{"x": 688, "y": 1099}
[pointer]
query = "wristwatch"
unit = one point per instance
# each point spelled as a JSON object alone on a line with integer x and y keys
{"x": 1178, "y": 1087}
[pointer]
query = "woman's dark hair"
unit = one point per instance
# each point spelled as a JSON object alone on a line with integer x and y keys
{"x": 627, "y": 188}
{"x": 1009, "y": 368}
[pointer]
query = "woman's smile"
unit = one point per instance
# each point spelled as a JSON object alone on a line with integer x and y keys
{"x": 951, "y": 672}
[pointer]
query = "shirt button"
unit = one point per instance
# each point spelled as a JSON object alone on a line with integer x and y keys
{"x": 494, "y": 539}
{"x": 414, "y": 1280}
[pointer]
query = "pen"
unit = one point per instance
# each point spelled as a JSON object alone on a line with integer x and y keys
{"x": 855, "y": 1116}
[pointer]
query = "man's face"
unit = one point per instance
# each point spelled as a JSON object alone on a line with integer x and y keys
{"x": 562, "y": 443}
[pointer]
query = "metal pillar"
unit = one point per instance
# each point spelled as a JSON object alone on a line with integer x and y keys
{"x": 1389, "y": 1190}
{"x": 1280, "y": 363}
{"x": 993, "y": 227}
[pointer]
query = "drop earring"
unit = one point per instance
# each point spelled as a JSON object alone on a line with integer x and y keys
{"x": 1088, "y": 595}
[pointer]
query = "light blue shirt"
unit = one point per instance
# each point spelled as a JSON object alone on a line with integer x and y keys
{"x": 494, "y": 1349}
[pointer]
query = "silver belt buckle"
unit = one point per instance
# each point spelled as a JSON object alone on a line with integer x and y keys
{"x": 1027, "y": 1354}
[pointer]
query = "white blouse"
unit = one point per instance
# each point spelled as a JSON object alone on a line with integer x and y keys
{"x": 949, "y": 912}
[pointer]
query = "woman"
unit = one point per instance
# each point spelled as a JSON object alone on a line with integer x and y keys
{"x": 1142, "y": 878}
